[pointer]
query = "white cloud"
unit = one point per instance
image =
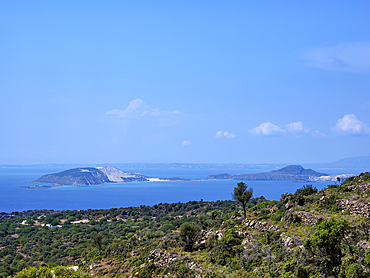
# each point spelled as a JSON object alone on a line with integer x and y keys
{"x": 266, "y": 128}
{"x": 186, "y": 143}
{"x": 138, "y": 108}
{"x": 226, "y": 134}
{"x": 296, "y": 127}
{"x": 350, "y": 124}
{"x": 349, "y": 57}
{"x": 319, "y": 134}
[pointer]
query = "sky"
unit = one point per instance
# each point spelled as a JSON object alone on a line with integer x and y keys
{"x": 184, "y": 81}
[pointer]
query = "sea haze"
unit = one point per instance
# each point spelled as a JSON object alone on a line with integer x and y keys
{"x": 15, "y": 197}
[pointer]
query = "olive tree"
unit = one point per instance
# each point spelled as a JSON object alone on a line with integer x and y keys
{"x": 242, "y": 195}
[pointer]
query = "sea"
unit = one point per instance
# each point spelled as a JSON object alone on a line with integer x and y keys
{"x": 16, "y": 197}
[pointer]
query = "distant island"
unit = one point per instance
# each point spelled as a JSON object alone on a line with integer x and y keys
{"x": 294, "y": 173}
{"x": 90, "y": 176}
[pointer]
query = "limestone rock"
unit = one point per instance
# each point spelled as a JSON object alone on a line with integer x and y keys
{"x": 364, "y": 244}
{"x": 355, "y": 208}
{"x": 309, "y": 218}
{"x": 259, "y": 226}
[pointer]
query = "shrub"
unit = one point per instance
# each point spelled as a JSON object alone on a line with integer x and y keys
{"x": 183, "y": 272}
{"x": 154, "y": 234}
{"x": 231, "y": 238}
{"x": 211, "y": 275}
{"x": 350, "y": 268}
{"x": 292, "y": 218}
{"x": 253, "y": 263}
{"x": 167, "y": 228}
{"x": 306, "y": 190}
{"x": 262, "y": 205}
{"x": 339, "y": 188}
{"x": 147, "y": 271}
{"x": 301, "y": 272}
{"x": 189, "y": 234}
{"x": 137, "y": 261}
{"x": 326, "y": 242}
{"x": 330, "y": 203}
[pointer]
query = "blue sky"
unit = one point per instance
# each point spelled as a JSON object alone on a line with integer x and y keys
{"x": 184, "y": 81}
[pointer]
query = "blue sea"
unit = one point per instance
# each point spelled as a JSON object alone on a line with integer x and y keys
{"x": 15, "y": 197}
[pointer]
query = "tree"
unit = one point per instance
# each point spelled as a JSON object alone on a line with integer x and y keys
{"x": 189, "y": 234}
{"x": 215, "y": 214}
{"x": 97, "y": 240}
{"x": 202, "y": 221}
{"x": 242, "y": 195}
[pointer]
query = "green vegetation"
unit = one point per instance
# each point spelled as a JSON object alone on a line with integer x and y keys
{"x": 242, "y": 195}
{"x": 309, "y": 233}
{"x": 326, "y": 242}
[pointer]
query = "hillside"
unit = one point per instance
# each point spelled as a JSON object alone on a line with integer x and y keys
{"x": 309, "y": 233}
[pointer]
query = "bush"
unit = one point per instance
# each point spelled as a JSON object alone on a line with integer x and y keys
{"x": 301, "y": 272}
{"x": 262, "y": 205}
{"x": 147, "y": 271}
{"x": 350, "y": 268}
{"x": 253, "y": 263}
{"x": 21, "y": 265}
{"x": 339, "y": 188}
{"x": 154, "y": 234}
{"x": 292, "y": 218}
{"x": 367, "y": 258}
{"x": 270, "y": 237}
{"x": 183, "y": 272}
{"x": 138, "y": 261}
{"x": 189, "y": 234}
{"x": 46, "y": 272}
{"x": 306, "y": 190}
{"x": 211, "y": 275}
{"x": 221, "y": 254}
{"x": 231, "y": 238}
{"x": 167, "y": 228}
{"x": 330, "y": 203}
{"x": 326, "y": 242}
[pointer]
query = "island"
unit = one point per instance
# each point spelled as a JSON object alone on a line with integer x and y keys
{"x": 294, "y": 173}
{"x": 89, "y": 176}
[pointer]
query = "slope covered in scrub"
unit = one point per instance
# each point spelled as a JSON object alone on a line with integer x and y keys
{"x": 309, "y": 233}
